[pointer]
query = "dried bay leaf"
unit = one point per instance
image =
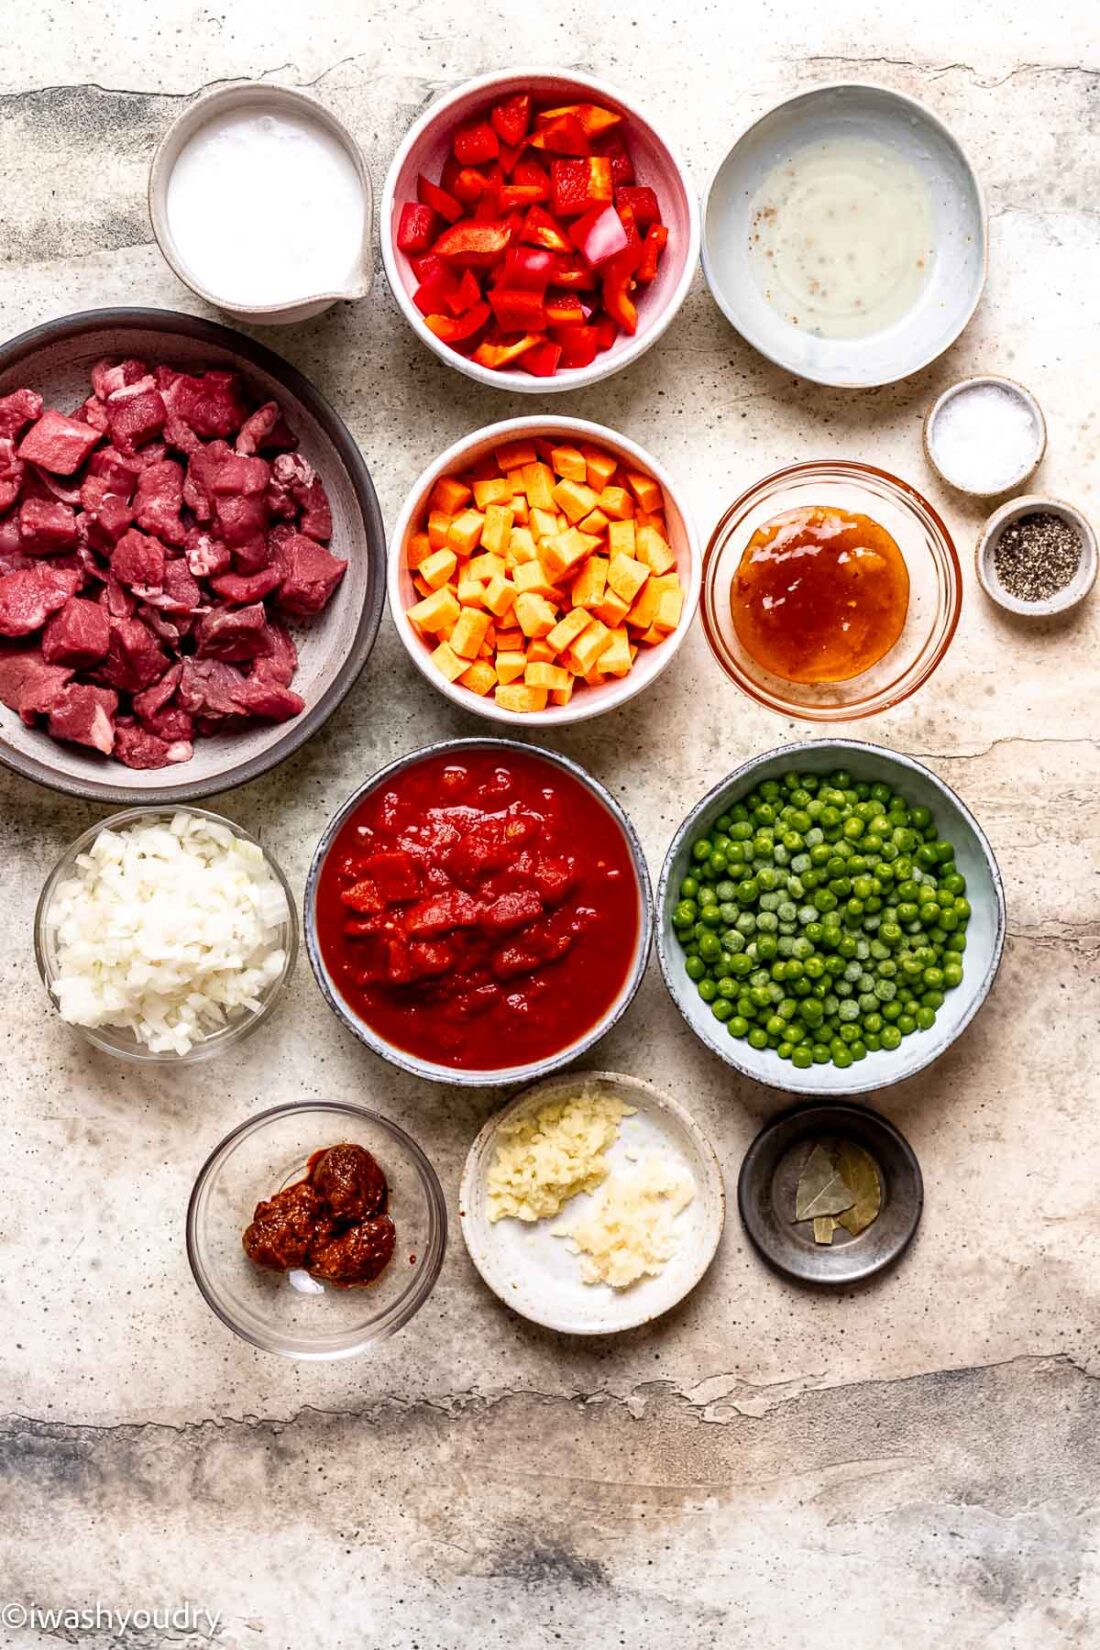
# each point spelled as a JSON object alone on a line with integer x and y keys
{"x": 824, "y": 1227}
{"x": 821, "y": 1190}
{"x": 859, "y": 1171}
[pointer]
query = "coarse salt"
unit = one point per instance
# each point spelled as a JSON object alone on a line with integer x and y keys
{"x": 985, "y": 439}
{"x": 168, "y": 929}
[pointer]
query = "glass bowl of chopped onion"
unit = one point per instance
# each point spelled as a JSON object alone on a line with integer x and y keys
{"x": 165, "y": 935}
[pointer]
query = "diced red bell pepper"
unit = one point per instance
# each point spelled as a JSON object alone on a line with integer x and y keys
{"x": 531, "y": 267}
{"x": 606, "y": 333}
{"x": 539, "y": 229}
{"x": 474, "y": 245}
{"x": 578, "y": 185}
{"x": 564, "y": 309}
{"x": 512, "y": 118}
{"x": 578, "y": 345}
{"x": 564, "y": 136}
{"x": 594, "y": 117}
{"x": 439, "y": 199}
{"x": 416, "y": 228}
{"x": 642, "y": 201}
{"x": 427, "y": 265}
{"x": 529, "y": 171}
{"x": 513, "y": 197}
{"x": 466, "y": 293}
{"x": 509, "y": 157}
{"x": 435, "y": 294}
{"x": 577, "y": 277}
{"x": 616, "y": 286}
{"x": 518, "y": 309}
{"x": 475, "y": 143}
{"x": 613, "y": 148}
{"x": 599, "y": 235}
{"x": 468, "y": 185}
{"x": 490, "y": 353}
{"x": 543, "y": 360}
{"x": 453, "y": 329}
{"x": 656, "y": 239}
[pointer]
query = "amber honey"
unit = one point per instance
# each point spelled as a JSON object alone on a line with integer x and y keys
{"x": 820, "y": 595}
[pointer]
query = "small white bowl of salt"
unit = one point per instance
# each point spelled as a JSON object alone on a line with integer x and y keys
{"x": 985, "y": 436}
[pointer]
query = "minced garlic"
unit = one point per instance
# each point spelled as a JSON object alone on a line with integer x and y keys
{"x": 544, "y": 1159}
{"x": 629, "y": 1233}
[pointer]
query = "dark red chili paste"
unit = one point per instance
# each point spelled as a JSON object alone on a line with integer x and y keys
{"x": 333, "y": 1223}
{"x": 479, "y": 912}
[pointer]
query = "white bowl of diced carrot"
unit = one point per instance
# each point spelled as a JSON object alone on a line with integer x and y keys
{"x": 543, "y": 570}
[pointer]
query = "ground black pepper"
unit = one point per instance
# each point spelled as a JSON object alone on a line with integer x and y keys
{"x": 1037, "y": 555}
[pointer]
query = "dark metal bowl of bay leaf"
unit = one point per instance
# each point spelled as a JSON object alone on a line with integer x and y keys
{"x": 830, "y": 1194}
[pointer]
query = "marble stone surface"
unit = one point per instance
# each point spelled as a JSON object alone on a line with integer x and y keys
{"x": 913, "y": 1463}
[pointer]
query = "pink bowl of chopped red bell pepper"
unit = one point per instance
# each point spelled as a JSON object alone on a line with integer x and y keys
{"x": 537, "y": 231}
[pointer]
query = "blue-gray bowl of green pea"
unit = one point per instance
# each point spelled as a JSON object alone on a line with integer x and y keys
{"x": 832, "y": 917}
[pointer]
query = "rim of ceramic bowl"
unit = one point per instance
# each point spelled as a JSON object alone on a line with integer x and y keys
{"x": 172, "y": 322}
{"x": 976, "y": 381}
{"x": 402, "y": 1309}
{"x": 167, "y": 152}
{"x": 136, "y": 1053}
{"x": 456, "y": 1075}
{"x": 950, "y": 585}
{"x": 739, "y": 780}
{"x": 572, "y": 378}
{"x": 973, "y": 178}
{"x": 1071, "y": 594}
{"x": 577, "y": 710}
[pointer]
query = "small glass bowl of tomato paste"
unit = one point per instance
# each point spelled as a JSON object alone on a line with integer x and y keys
{"x": 931, "y": 564}
{"x": 294, "y": 1313}
{"x": 479, "y": 912}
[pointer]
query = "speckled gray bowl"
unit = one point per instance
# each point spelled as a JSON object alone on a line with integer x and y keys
{"x": 503, "y": 1075}
{"x": 985, "y": 932}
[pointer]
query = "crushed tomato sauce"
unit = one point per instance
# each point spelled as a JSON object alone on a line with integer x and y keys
{"x": 481, "y": 912}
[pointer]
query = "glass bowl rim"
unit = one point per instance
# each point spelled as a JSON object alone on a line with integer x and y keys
{"x": 232, "y": 1033}
{"x": 405, "y": 1307}
{"x": 910, "y": 499}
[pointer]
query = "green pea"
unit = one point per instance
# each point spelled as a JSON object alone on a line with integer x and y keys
{"x": 707, "y": 990}
{"x": 695, "y": 968}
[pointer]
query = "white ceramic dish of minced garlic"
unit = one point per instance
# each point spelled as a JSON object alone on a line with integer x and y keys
{"x": 540, "y": 1273}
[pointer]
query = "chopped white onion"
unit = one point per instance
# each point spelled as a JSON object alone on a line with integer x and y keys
{"x": 170, "y": 930}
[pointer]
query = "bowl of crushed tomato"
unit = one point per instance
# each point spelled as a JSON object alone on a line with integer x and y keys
{"x": 479, "y": 912}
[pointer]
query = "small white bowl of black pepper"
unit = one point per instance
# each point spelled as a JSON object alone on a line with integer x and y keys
{"x": 1037, "y": 557}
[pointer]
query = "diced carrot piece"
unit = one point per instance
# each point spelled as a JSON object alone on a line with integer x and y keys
{"x": 438, "y": 568}
{"x": 516, "y": 454}
{"x": 510, "y": 641}
{"x": 544, "y": 523}
{"x": 540, "y": 652}
{"x": 594, "y": 522}
{"x": 615, "y": 659}
{"x": 626, "y": 577}
{"x": 655, "y": 550}
{"x": 510, "y": 665}
{"x": 521, "y": 545}
{"x": 669, "y": 608}
{"x": 449, "y": 494}
{"x": 601, "y": 466}
{"x": 480, "y": 677}
{"x": 471, "y": 592}
{"x": 535, "y": 615}
{"x": 465, "y": 531}
{"x": 616, "y": 502}
{"x": 498, "y": 490}
{"x": 447, "y": 661}
{"x": 533, "y": 576}
{"x": 500, "y": 593}
{"x": 519, "y": 697}
{"x": 645, "y": 490}
{"x": 590, "y": 644}
{"x": 562, "y": 696}
{"x": 542, "y": 675}
{"x": 621, "y": 540}
{"x": 590, "y": 583}
{"x": 564, "y": 554}
{"x": 497, "y": 530}
{"x": 566, "y": 631}
{"x": 486, "y": 566}
{"x": 436, "y": 612}
{"x": 469, "y": 632}
{"x": 538, "y": 484}
{"x": 612, "y": 610}
{"x": 574, "y": 499}
{"x": 419, "y": 549}
{"x": 439, "y": 525}
{"x": 569, "y": 463}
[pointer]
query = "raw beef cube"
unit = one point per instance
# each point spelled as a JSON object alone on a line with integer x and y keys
{"x": 46, "y": 528}
{"x": 255, "y": 555}
{"x": 181, "y": 435}
{"x": 233, "y": 633}
{"x": 309, "y": 574}
{"x": 152, "y": 699}
{"x": 182, "y": 592}
{"x": 119, "y": 470}
{"x": 241, "y": 475}
{"x": 164, "y": 377}
{"x": 139, "y": 560}
{"x": 29, "y": 595}
{"x": 268, "y": 700}
{"x": 136, "y": 414}
{"x": 208, "y": 688}
{"x": 28, "y": 684}
{"x": 167, "y": 629}
{"x": 206, "y": 555}
{"x": 85, "y": 715}
{"x": 239, "y": 588}
{"x": 93, "y": 412}
{"x": 107, "y": 513}
{"x": 511, "y": 911}
{"x": 138, "y": 748}
{"x": 57, "y": 443}
{"x": 159, "y": 501}
{"x": 296, "y": 486}
{"x": 12, "y": 553}
{"x": 198, "y": 486}
{"x": 76, "y": 635}
{"x": 239, "y": 517}
{"x": 442, "y": 912}
{"x": 108, "y": 376}
{"x": 280, "y": 664}
{"x": 212, "y": 403}
{"x": 118, "y": 602}
{"x": 316, "y": 518}
{"x": 12, "y": 471}
{"x": 135, "y": 659}
{"x": 171, "y": 722}
{"x": 18, "y": 410}
{"x": 257, "y": 427}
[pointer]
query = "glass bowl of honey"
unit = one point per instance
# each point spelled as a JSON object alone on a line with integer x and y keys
{"x": 831, "y": 591}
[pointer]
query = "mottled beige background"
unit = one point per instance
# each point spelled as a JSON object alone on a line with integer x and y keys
{"x": 913, "y": 1464}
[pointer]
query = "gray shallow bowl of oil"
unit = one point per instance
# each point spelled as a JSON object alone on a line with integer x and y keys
{"x": 55, "y": 359}
{"x": 769, "y": 1178}
{"x": 1059, "y": 601}
{"x": 946, "y": 300}
{"x": 985, "y": 933}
